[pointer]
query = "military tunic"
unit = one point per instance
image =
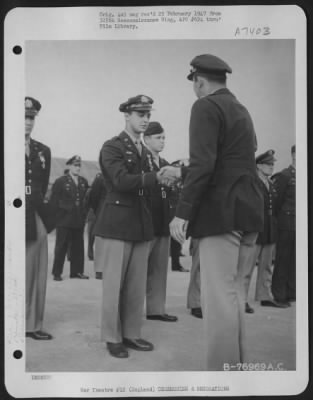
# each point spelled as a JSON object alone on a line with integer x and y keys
{"x": 223, "y": 203}
{"x": 39, "y": 220}
{"x": 67, "y": 198}
{"x": 123, "y": 232}
{"x": 284, "y": 275}
{"x": 96, "y": 195}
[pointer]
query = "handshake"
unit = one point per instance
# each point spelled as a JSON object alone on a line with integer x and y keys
{"x": 168, "y": 175}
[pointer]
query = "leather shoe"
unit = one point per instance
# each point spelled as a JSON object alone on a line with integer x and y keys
{"x": 163, "y": 317}
{"x": 138, "y": 344}
{"x": 117, "y": 350}
{"x": 248, "y": 309}
{"x": 98, "y": 275}
{"x": 39, "y": 335}
{"x": 80, "y": 276}
{"x": 57, "y": 278}
{"x": 274, "y": 303}
{"x": 180, "y": 269}
{"x": 197, "y": 312}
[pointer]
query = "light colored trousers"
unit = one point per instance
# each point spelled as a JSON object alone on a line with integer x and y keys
{"x": 265, "y": 272}
{"x": 124, "y": 268}
{"x": 222, "y": 297}
{"x": 157, "y": 275}
{"x": 194, "y": 292}
{"x": 36, "y": 278}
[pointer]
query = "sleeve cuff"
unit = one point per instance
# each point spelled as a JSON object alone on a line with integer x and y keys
{"x": 183, "y": 210}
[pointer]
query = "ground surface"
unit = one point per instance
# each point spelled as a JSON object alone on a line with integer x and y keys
{"x": 73, "y": 317}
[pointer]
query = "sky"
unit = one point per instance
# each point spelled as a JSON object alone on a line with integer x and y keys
{"x": 81, "y": 84}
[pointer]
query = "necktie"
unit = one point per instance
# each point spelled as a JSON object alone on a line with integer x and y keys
{"x": 27, "y": 148}
{"x": 138, "y": 145}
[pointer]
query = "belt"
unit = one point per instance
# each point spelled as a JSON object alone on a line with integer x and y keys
{"x": 28, "y": 189}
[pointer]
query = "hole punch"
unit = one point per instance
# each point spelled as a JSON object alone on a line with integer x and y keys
{"x": 17, "y": 203}
{"x": 18, "y": 354}
{"x": 17, "y": 50}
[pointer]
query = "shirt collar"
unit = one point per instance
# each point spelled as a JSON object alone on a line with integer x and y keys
{"x": 133, "y": 138}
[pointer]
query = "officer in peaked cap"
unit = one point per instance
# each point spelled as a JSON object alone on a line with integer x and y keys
{"x": 124, "y": 230}
{"x": 159, "y": 199}
{"x": 38, "y": 223}
{"x": 265, "y": 244}
{"x": 284, "y": 275}
{"x": 209, "y": 65}
{"x": 67, "y": 198}
{"x": 221, "y": 204}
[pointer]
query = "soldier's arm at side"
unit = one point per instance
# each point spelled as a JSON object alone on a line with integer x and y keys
{"x": 112, "y": 163}
{"x": 45, "y": 182}
{"x": 203, "y": 140}
{"x": 280, "y": 182}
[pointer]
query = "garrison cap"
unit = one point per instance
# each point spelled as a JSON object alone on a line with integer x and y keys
{"x": 266, "y": 158}
{"x": 74, "y": 160}
{"x": 209, "y": 65}
{"x": 154, "y": 128}
{"x": 293, "y": 149}
{"x": 137, "y": 103}
{"x": 32, "y": 107}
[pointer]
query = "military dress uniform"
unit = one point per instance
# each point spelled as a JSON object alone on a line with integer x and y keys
{"x": 223, "y": 203}
{"x": 284, "y": 275}
{"x": 39, "y": 221}
{"x": 162, "y": 206}
{"x": 67, "y": 198}
{"x": 124, "y": 230}
{"x": 265, "y": 244}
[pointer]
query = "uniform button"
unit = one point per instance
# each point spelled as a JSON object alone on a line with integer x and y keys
{"x": 29, "y": 180}
{"x": 117, "y": 202}
{"x": 129, "y": 160}
{"x": 29, "y": 171}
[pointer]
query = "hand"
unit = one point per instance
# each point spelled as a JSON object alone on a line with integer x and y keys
{"x": 169, "y": 175}
{"x": 178, "y": 228}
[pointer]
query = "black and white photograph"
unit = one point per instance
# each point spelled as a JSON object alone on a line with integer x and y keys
{"x": 153, "y": 251}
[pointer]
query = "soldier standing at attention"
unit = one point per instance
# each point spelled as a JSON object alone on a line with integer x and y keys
{"x": 154, "y": 139}
{"x": 37, "y": 172}
{"x": 265, "y": 244}
{"x": 67, "y": 198}
{"x": 124, "y": 230}
{"x": 222, "y": 205}
{"x": 284, "y": 275}
{"x": 96, "y": 197}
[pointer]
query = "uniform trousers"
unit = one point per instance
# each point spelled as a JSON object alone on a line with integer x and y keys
{"x": 36, "y": 278}
{"x": 284, "y": 275}
{"x": 157, "y": 275}
{"x": 222, "y": 297}
{"x": 75, "y": 238}
{"x": 194, "y": 292}
{"x": 124, "y": 268}
{"x": 265, "y": 271}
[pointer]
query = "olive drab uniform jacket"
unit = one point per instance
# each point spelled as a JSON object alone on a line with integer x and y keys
{"x": 162, "y": 200}
{"x": 67, "y": 199}
{"x": 37, "y": 172}
{"x": 285, "y": 185}
{"x": 125, "y": 213}
{"x": 221, "y": 191}
{"x": 269, "y": 233}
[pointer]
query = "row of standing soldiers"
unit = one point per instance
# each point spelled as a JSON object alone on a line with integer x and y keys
{"x": 221, "y": 204}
